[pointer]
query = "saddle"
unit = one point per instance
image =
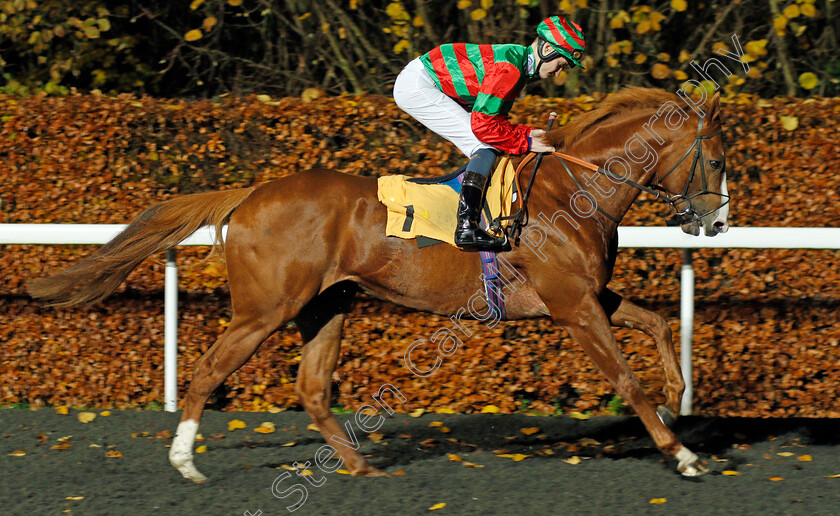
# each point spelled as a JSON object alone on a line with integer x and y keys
{"x": 425, "y": 209}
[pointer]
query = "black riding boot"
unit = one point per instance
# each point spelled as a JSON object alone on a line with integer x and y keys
{"x": 468, "y": 234}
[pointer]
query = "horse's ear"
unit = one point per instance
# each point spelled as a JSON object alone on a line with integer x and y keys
{"x": 714, "y": 108}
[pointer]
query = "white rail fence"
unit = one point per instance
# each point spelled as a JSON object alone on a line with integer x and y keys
{"x": 631, "y": 237}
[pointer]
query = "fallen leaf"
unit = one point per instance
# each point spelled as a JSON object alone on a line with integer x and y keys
{"x": 417, "y": 413}
{"x": 292, "y": 443}
{"x": 490, "y": 409}
{"x": 444, "y": 411}
{"x": 515, "y": 456}
{"x": 776, "y": 479}
{"x": 437, "y": 506}
{"x": 265, "y": 428}
{"x": 94, "y": 446}
{"x": 375, "y": 437}
{"x": 61, "y": 446}
{"x": 17, "y": 453}
{"x": 313, "y": 427}
{"x": 785, "y": 454}
{"x": 105, "y": 413}
{"x": 658, "y": 500}
{"x": 86, "y": 417}
{"x": 435, "y": 424}
{"x": 832, "y": 476}
{"x": 805, "y": 458}
{"x": 588, "y": 441}
{"x": 201, "y": 449}
{"x": 235, "y": 425}
{"x": 62, "y": 410}
{"x": 113, "y": 454}
{"x": 573, "y": 460}
{"x": 399, "y": 473}
{"x": 471, "y": 465}
{"x": 530, "y": 430}
{"x": 578, "y": 415}
{"x": 730, "y": 473}
{"x": 445, "y": 429}
{"x": 341, "y": 471}
{"x": 75, "y": 498}
{"x": 454, "y": 458}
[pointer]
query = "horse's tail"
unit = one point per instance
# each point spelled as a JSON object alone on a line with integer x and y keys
{"x": 157, "y": 229}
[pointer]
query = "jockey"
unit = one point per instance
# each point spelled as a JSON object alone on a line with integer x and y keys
{"x": 464, "y": 92}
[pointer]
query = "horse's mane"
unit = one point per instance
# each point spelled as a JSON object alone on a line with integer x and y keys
{"x": 628, "y": 99}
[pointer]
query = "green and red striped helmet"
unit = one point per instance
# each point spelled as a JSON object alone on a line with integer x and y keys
{"x": 565, "y": 36}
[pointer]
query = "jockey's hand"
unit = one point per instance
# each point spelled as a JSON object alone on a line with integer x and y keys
{"x": 538, "y": 142}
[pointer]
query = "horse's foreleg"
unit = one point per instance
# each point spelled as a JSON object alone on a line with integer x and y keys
{"x": 318, "y": 360}
{"x": 590, "y": 328}
{"x": 232, "y": 349}
{"x": 626, "y": 314}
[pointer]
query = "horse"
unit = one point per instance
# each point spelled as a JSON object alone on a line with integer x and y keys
{"x": 300, "y": 247}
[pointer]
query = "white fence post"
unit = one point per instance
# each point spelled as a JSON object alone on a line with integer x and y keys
{"x": 170, "y": 333}
{"x": 686, "y": 330}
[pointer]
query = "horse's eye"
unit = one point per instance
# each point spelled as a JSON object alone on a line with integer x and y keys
{"x": 715, "y": 163}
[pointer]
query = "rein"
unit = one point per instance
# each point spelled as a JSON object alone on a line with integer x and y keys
{"x": 681, "y": 216}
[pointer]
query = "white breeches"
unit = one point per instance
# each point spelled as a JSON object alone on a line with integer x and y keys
{"x": 417, "y": 94}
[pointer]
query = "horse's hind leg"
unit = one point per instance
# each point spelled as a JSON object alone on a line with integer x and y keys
{"x": 626, "y": 314}
{"x": 232, "y": 349}
{"x": 321, "y": 323}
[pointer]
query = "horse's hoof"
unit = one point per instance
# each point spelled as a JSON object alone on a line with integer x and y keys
{"x": 376, "y": 473}
{"x": 369, "y": 471}
{"x": 694, "y": 470}
{"x": 190, "y": 472}
{"x": 667, "y": 417}
{"x": 186, "y": 468}
{"x": 690, "y": 465}
{"x": 198, "y": 478}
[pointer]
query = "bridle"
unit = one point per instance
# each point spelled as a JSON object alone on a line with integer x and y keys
{"x": 680, "y": 203}
{"x": 689, "y": 215}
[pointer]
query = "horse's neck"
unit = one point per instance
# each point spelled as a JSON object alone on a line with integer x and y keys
{"x": 613, "y": 197}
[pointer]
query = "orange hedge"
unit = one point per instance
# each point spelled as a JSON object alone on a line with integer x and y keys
{"x": 766, "y": 334}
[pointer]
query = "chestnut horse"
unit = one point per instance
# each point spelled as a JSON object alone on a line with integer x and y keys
{"x": 300, "y": 247}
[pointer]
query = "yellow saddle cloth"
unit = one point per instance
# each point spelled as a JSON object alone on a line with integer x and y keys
{"x": 428, "y": 208}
